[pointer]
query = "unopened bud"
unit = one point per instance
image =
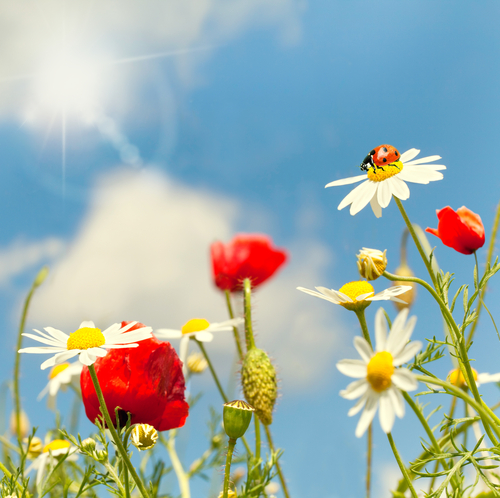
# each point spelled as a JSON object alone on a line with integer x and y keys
{"x": 457, "y": 378}
{"x": 35, "y": 447}
{"x": 24, "y": 424}
{"x": 371, "y": 263}
{"x": 41, "y": 276}
{"x": 230, "y": 494}
{"x": 409, "y": 296}
{"x": 144, "y": 436}
{"x": 237, "y": 416}
{"x": 101, "y": 455}
{"x": 196, "y": 363}
{"x": 258, "y": 379}
{"x": 88, "y": 445}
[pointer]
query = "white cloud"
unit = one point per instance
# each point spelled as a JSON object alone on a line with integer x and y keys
{"x": 142, "y": 253}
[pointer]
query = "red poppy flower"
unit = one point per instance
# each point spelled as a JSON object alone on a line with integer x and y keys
{"x": 463, "y": 230}
{"x": 246, "y": 256}
{"x": 146, "y": 381}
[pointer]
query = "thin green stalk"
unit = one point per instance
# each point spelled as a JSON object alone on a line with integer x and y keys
{"x": 42, "y": 274}
{"x": 219, "y": 387}
{"x": 461, "y": 350}
{"x": 257, "y": 437}
{"x": 369, "y": 446}
{"x": 489, "y": 257}
{"x": 227, "y": 472}
{"x": 114, "y": 434}
{"x": 402, "y": 466}
{"x": 236, "y": 333}
{"x": 247, "y": 295}
{"x": 8, "y": 474}
{"x": 182, "y": 476}
{"x": 415, "y": 238}
{"x": 114, "y": 476}
{"x": 364, "y": 327}
{"x": 284, "y": 487}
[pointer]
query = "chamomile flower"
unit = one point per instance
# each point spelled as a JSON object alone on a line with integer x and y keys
{"x": 60, "y": 376}
{"x": 197, "y": 328}
{"x": 381, "y": 184}
{"x": 456, "y": 378}
{"x": 356, "y": 296}
{"x": 88, "y": 342}
{"x": 50, "y": 455}
{"x": 380, "y": 382}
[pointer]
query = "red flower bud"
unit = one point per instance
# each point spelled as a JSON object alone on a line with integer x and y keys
{"x": 462, "y": 230}
{"x": 246, "y": 256}
{"x": 146, "y": 381}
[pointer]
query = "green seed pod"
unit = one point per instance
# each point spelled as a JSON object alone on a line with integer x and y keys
{"x": 258, "y": 379}
{"x": 237, "y": 416}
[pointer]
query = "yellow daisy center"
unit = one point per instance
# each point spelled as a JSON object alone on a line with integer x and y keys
{"x": 57, "y": 444}
{"x": 86, "y": 338}
{"x": 456, "y": 377}
{"x": 195, "y": 325}
{"x": 58, "y": 369}
{"x": 354, "y": 290}
{"x": 379, "y": 371}
{"x": 381, "y": 173}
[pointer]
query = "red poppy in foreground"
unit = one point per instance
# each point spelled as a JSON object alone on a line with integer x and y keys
{"x": 246, "y": 256}
{"x": 146, "y": 381}
{"x": 462, "y": 230}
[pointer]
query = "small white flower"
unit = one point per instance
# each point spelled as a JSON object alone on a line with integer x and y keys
{"x": 49, "y": 457}
{"x": 199, "y": 329}
{"x": 88, "y": 342}
{"x": 59, "y": 377}
{"x": 381, "y": 185}
{"x": 380, "y": 381}
{"x": 356, "y": 296}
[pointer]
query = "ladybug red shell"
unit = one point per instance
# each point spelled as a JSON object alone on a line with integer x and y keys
{"x": 380, "y": 156}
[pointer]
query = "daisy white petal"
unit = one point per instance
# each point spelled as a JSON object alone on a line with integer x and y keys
{"x": 87, "y": 324}
{"x": 409, "y": 155}
{"x": 404, "y": 379}
{"x": 355, "y": 389}
{"x": 368, "y": 414}
{"x": 55, "y": 333}
{"x": 420, "y": 175}
{"x": 409, "y": 351}
{"x": 384, "y": 193}
{"x": 363, "y": 348}
{"x": 58, "y": 358}
{"x": 380, "y": 330}
{"x": 50, "y": 342}
{"x": 363, "y": 196}
{"x": 352, "y": 368}
{"x": 358, "y": 405}
{"x": 396, "y": 343}
{"x": 168, "y": 333}
{"x": 346, "y": 181}
{"x": 386, "y": 413}
{"x": 399, "y": 187}
{"x": 398, "y": 401}
{"x": 422, "y": 160}
{"x": 318, "y": 294}
{"x": 484, "y": 378}
{"x": 204, "y": 336}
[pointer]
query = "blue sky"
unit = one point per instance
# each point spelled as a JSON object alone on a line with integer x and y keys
{"x": 188, "y": 124}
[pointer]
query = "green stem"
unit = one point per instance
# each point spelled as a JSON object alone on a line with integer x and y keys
{"x": 491, "y": 248}
{"x": 247, "y": 295}
{"x": 114, "y": 476}
{"x": 402, "y": 466}
{"x": 257, "y": 437}
{"x": 415, "y": 238}
{"x": 284, "y": 487}
{"x": 236, "y": 333}
{"x": 369, "y": 446}
{"x": 404, "y": 240}
{"x": 182, "y": 476}
{"x": 8, "y": 474}
{"x": 461, "y": 348}
{"x": 114, "y": 434}
{"x": 42, "y": 274}
{"x": 227, "y": 472}
{"x": 219, "y": 387}
{"x": 364, "y": 327}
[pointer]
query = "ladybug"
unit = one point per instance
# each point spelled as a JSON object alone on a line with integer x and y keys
{"x": 379, "y": 157}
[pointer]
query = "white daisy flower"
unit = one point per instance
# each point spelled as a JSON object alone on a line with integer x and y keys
{"x": 381, "y": 185}
{"x": 356, "y": 296}
{"x": 88, "y": 342}
{"x": 49, "y": 457}
{"x": 59, "y": 377}
{"x": 380, "y": 382}
{"x": 197, "y": 328}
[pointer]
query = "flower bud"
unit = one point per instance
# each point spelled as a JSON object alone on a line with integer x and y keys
{"x": 41, "y": 276}
{"x": 196, "y": 363}
{"x": 144, "y": 436}
{"x": 35, "y": 447}
{"x": 258, "y": 379}
{"x": 237, "y": 416}
{"x": 409, "y": 296}
{"x": 24, "y": 424}
{"x": 101, "y": 455}
{"x": 230, "y": 494}
{"x": 88, "y": 445}
{"x": 371, "y": 263}
{"x": 456, "y": 377}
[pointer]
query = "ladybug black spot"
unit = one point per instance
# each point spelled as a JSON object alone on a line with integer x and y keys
{"x": 384, "y": 149}
{"x": 384, "y": 160}
{"x": 397, "y": 153}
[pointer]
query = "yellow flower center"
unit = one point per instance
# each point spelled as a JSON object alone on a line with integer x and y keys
{"x": 35, "y": 447}
{"x": 456, "y": 377}
{"x": 58, "y": 369}
{"x": 195, "y": 325}
{"x": 144, "y": 436}
{"x": 86, "y": 338}
{"x": 354, "y": 290}
{"x": 57, "y": 444}
{"x": 379, "y": 371}
{"x": 384, "y": 172}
